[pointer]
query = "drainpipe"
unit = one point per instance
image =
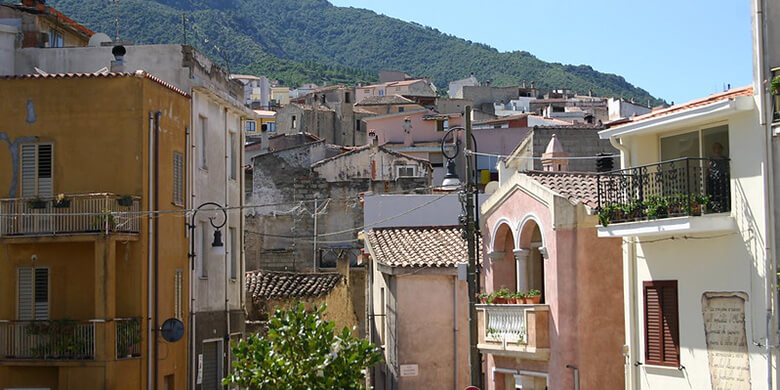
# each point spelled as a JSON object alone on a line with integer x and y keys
{"x": 188, "y": 205}
{"x": 156, "y": 235}
{"x": 576, "y": 376}
{"x": 226, "y": 281}
{"x": 150, "y": 258}
{"x": 455, "y": 330}
{"x": 768, "y": 181}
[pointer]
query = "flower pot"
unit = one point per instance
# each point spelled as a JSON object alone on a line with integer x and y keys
{"x": 511, "y": 301}
{"x": 126, "y": 202}
{"x": 534, "y": 300}
{"x": 695, "y": 209}
{"x": 499, "y": 300}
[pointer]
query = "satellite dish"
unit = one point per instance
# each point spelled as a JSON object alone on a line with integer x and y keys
{"x": 172, "y": 330}
{"x": 491, "y": 187}
{"x": 98, "y": 39}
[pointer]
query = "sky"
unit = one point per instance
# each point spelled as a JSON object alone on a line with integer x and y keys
{"x": 676, "y": 50}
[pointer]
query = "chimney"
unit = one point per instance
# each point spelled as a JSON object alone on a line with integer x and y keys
{"x": 554, "y": 157}
{"x": 342, "y": 265}
{"x": 532, "y": 83}
{"x": 408, "y": 139}
{"x": 118, "y": 64}
{"x": 373, "y": 138}
{"x": 523, "y": 83}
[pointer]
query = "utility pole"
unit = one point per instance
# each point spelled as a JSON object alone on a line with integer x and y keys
{"x": 475, "y": 361}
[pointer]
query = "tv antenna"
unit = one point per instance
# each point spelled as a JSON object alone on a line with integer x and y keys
{"x": 116, "y": 20}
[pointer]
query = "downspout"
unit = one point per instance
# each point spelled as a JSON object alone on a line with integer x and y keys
{"x": 576, "y": 376}
{"x": 191, "y": 271}
{"x": 632, "y": 368}
{"x": 150, "y": 258}
{"x": 156, "y": 235}
{"x": 768, "y": 182}
{"x": 455, "y": 331}
{"x": 226, "y": 281}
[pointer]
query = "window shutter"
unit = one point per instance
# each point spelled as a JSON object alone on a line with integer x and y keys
{"x": 44, "y": 170}
{"x": 178, "y": 181}
{"x": 662, "y": 345}
{"x": 24, "y": 308}
{"x": 41, "y": 293}
{"x": 212, "y": 367}
{"x": 28, "y": 170}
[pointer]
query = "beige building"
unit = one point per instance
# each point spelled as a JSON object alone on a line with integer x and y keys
{"x": 418, "y": 307}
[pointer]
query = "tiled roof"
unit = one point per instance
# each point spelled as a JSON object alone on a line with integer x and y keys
{"x": 730, "y": 94}
{"x": 574, "y": 186}
{"x": 384, "y": 100}
{"x": 107, "y": 75}
{"x": 365, "y": 147}
{"x": 503, "y": 119}
{"x": 307, "y": 107}
{"x": 279, "y": 285}
{"x": 59, "y": 16}
{"x": 358, "y": 110}
{"x": 437, "y": 246}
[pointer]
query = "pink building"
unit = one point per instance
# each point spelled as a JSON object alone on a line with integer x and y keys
{"x": 540, "y": 233}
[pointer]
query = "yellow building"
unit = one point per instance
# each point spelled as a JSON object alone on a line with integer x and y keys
{"x": 281, "y": 95}
{"x": 87, "y": 277}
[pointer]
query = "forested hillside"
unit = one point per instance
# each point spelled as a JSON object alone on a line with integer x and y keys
{"x": 299, "y": 41}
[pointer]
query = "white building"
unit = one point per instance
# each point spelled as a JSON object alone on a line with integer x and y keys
{"x": 698, "y": 274}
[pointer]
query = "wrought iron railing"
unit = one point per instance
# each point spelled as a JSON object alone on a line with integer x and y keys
{"x": 47, "y": 340}
{"x": 128, "y": 338}
{"x": 506, "y": 323}
{"x": 82, "y": 213}
{"x": 681, "y": 187}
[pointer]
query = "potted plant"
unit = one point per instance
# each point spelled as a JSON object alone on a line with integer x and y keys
{"x": 61, "y": 202}
{"x": 676, "y": 204}
{"x": 606, "y": 213}
{"x": 483, "y": 297}
{"x": 657, "y": 207}
{"x": 501, "y": 296}
{"x": 697, "y": 201}
{"x": 36, "y": 203}
{"x": 533, "y": 297}
{"x": 104, "y": 221}
{"x": 125, "y": 200}
{"x": 774, "y": 85}
{"x": 632, "y": 210}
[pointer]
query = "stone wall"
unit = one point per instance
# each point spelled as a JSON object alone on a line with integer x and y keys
{"x": 577, "y": 141}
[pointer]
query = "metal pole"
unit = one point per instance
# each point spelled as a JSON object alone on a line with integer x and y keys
{"x": 475, "y": 361}
{"x": 314, "y": 251}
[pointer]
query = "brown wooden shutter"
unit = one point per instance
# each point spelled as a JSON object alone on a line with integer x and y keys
{"x": 662, "y": 335}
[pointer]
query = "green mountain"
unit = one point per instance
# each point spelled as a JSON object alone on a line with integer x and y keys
{"x": 299, "y": 41}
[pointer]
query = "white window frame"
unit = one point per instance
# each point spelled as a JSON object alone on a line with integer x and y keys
{"x": 202, "y": 142}
{"x": 232, "y": 172}
{"x": 695, "y": 129}
{"x": 235, "y": 253}
{"x": 33, "y": 308}
{"x": 250, "y": 126}
{"x": 398, "y": 169}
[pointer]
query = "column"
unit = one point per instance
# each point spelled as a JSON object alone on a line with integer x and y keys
{"x": 521, "y": 265}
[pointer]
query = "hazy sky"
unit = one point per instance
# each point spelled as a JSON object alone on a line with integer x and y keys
{"x": 677, "y": 50}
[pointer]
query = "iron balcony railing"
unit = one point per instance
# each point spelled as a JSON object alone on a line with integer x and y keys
{"x": 82, "y": 213}
{"x": 128, "y": 338}
{"x": 47, "y": 340}
{"x": 681, "y": 187}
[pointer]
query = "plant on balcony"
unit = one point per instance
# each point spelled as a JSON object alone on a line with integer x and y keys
{"x": 125, "y": 200}
{"x": 130, "y": 334}
{"x": 104, "y": 221}
{"x": 36, "y": 203}
{"x": 501, "y": 296}
{"x": 533, "y": 297}
{"x": 676, "y": 204}
{"x": 483, "y": 297}
{"x": 59, "y": 339}
{"x": 606, "y": 212}
{"x": 657, "y": 207}
{"x": 697, "y": 202}
{"x": 516, "y": 297}
{"x": 632, "y": 210}
{"x": 61, "y": 202}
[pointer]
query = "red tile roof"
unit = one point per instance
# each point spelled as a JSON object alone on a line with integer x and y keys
{"x": 106, "y": 75}
{"x": 424, "y": 246}
{"x": 577, "y": 187}
{"x": 730, "y": 94}
{"x": 281, "y": 285}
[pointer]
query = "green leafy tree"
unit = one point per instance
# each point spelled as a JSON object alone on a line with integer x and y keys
{"x": 302, "y": 351}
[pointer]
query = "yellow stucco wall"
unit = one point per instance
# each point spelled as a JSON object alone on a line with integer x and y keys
{"x": 100, "y": 131}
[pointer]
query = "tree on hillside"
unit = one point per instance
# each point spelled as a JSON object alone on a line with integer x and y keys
{"x": 302, "y": 351}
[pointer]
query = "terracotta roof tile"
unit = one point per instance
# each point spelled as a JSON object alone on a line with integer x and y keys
{"x": 575, "y": 186}
{"x": 107, "y": 75}
{"x": 384, "y": 100}
{"x": 280, "y": 285}
{"x": 437, "y": 246}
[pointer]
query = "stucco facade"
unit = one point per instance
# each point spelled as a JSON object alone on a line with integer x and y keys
{"x": 115, "y": 276}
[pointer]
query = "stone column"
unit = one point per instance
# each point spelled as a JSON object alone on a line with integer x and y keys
{"x": 521, "y": 261}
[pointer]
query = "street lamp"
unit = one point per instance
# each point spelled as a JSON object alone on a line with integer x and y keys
{"x": 217, "y": 246}
{"x": 470, "y": 198}
{"x": 451, "y": 180}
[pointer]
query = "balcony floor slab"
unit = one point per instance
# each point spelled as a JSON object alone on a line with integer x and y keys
{"x": 710, "y": 223}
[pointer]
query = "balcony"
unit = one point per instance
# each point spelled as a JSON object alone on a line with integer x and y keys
{"x": 521, "y": 331}
{"x": 68, "y": 340}
{"x": 74, "y": 214}
{"x": 686, "y": 195}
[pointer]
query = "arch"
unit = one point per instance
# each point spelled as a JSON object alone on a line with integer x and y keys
{"x": 532, "y": 272}
{"x": 503, "y": 222}
{"x": 525, "y": 230}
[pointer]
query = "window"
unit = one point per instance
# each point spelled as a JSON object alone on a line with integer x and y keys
{"x": 202, "y": 142}
{"x": 204, "y": 248}
{"x": 400, "y": 109}
{"x": 250, "y": 126}
{"x": 271, "y": 127}
{"x": 346, "y": 97}
{"x": 383, "y": 315}
{"x": 662, "y": 337}
{"x": 406, "y": 171}
{"x": 293, "y": 122}
{"x": 56, "y": 39}
{"x": 710, "y": 142}
{"x": 212, "y": 365}
{"x": 36, "y": 170}
{"x": 235, "y": 253}
{"x": 357, "y": 124}
{"x": 32, "y": 293}
{"x": 233, "y": 154}
{"x": 178, "y": 178}
{"x": 177, "y": 286}
{"x": 442, "y": 125}
{"x": 381, "y": 92}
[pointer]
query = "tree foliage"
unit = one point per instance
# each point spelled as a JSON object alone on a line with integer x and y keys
{"x": 298, "y": 41}
{"x": 302, "y": 351}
